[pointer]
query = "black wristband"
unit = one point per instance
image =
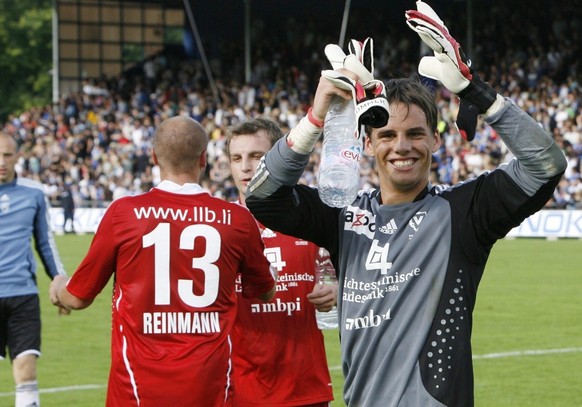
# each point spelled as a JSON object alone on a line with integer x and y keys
{"x": 479, "y": 93}
{"x": 467, "y": 119}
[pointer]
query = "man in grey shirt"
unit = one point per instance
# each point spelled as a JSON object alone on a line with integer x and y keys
{"x": 410, "y": 254}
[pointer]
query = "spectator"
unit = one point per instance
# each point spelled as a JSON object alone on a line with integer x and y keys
{"x": 68, "y": 202}
{"x": 281, "y": 79}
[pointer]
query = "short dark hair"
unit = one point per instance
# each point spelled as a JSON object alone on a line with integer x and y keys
{"x": 411, "y": 91}
{"x": 251, "y": 127}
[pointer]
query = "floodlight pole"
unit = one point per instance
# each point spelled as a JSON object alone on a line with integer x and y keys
{"x": 201, "y": 49}
{"x": 345, "y": 19}
{"x": 470, "y": 28}
{"x": 247, "y": 29}
{"x": 55, "y": 40}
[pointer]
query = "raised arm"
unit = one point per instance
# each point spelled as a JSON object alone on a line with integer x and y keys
{"x": 351, "y": 79}
{"x": 539, "y": 158}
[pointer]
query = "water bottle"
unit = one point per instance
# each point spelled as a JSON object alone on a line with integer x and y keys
{"x": 325, "y": 274}
{"x": 339, "y": 168}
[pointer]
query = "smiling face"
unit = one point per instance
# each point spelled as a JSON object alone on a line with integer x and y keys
{"x": 245, "y": 152}
{"x": 403, "y": 151}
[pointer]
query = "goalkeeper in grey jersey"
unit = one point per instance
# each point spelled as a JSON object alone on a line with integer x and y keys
{"x": 410, "y": 255}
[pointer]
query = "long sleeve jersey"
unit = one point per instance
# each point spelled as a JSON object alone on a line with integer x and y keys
{"x": 408, "y": 273}
{"x": 24, "y": 214}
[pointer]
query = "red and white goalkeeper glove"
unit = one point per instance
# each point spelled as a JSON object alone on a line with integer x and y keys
{"x": 364, "y": 52}
{"x": 450, "y": 66}
{"x": 369, "y": 94}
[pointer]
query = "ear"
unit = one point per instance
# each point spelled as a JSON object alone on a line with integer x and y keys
{"x": 368, "y": 148}
{"x": 203, "y": 159}
{"x": 155, "y": 158}
{"x": 437, "y": 141}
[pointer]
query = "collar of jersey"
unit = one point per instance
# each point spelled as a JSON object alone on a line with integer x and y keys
{"x": 185, "y": 189}
{"x": 9, "y": 184}
{"x": 420, "y": 196}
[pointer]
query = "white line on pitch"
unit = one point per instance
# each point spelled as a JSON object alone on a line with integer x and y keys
{"x": 526, "y": 353}
{"x": 334, "y": 368}
{"x": 65, "y": 388}
{"x": 535, "y": 352}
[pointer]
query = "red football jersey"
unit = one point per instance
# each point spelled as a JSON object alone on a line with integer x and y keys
{"x": 175, "y": 257}
{"x": 278, "y": 350}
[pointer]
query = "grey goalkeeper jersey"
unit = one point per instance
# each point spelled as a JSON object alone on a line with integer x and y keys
{"x": 409, "y": 273}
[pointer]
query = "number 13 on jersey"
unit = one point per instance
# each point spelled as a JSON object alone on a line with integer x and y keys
{"x": 160, "y": 239}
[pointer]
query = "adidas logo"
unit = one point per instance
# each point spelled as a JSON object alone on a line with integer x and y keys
{"x": 268, "y": 233}
{"x": 389, "y": 228}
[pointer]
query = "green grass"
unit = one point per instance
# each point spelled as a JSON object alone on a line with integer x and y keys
{"x": 529, "y": 300}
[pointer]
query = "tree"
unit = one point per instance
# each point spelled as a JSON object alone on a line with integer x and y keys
{"x": 26, "y": 49}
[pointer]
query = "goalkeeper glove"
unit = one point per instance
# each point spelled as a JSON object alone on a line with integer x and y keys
{"x": 364, "y": 52}
{"x": 451, "y": 67}
{"x": 369, "y": 94}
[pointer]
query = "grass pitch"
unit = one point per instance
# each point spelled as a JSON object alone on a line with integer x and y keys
{"x": 527, "y": 334}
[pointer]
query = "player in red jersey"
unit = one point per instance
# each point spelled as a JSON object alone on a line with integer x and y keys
{"x": 176, "y": 252}
{"x": 279, "y": 354}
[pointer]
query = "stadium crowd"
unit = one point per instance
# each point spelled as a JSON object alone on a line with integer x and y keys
{"x": 97, "y": 141}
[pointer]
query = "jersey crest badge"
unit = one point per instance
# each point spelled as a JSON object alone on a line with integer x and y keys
{"x": 4, "y": 203}
{"x": 414, "y": 222}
